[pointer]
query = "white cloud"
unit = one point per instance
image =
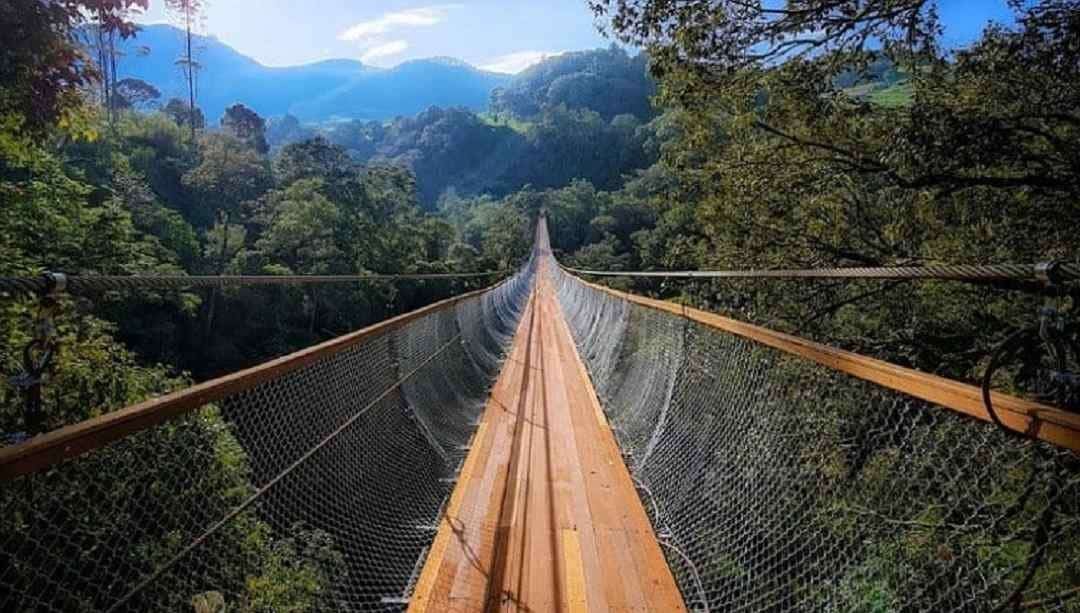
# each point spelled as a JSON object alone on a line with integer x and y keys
{"x": 409, "y": 18}
{"x": 513, "y": 63}
{"x": 393, "y": 47}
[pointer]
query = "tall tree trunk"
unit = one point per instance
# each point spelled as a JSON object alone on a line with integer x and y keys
{"x": 223, "y": 218}
{"x": 223, "y": 261}
{"x": 102, "y": 60}
{"x": 113, "y": 105}
{"x": 190, "y": 77}
{"x": 211, "y": 308}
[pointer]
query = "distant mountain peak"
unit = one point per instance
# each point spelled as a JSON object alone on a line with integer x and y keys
{"x": 338, "y": 63}
{"x": 449, "y": 61}
{"x": 439, "y": 60}
{"x": 318, "y": 91}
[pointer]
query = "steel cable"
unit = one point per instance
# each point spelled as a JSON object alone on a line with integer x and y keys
{"x": 89, "y": 283}
{"x": 1051, "y": 272}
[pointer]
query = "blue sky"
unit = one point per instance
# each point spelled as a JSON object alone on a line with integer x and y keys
{"x": 501, "y": 35}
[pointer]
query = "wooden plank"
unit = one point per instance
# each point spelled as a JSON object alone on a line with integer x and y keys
{"x": 505, "y": 580}
{"x": 433, "y": 564}
{"x": 466, "y": 474}
{"x": 48, "y": 449}
{"x": 576, "y": 600}
{"x": 1047, "y": 423}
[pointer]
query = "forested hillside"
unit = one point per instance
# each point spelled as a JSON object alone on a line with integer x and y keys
{"x": 553, "y": 123}
{"x": 609, "y": 82}
{"x": 91, "y": 189}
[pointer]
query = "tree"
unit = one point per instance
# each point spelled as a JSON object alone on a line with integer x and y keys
{"x": 498, "y": 231}
{"x": 570, "y": 211}
{"x": 135, "y": 93}
{"x": 733, "y": 34}
{"x": 444, "y": 147}
{"x": 162, "y": 226}
{"x": 607, "y": 81}
{"x": 228, "y": 173}
{"x": 281, "y": 131}
{"x": 361, "y": 139}
{"x": 780, "y": 165}
{"x": 245, "y": 124}
{"x": 725, "y": 55}
{"x": 183, "y": 114}
{"x": 42, "y": 69}
{"x": 604, "y": 255}
{"x": 188, "y": 12}
{"x": 315, "y": 158}
{"x": 110, "y": 17}
{"x": 301, "y": 235}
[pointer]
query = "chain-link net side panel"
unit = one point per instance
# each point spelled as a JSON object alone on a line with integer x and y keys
{"x": 726, "y": 493}
{"x": 316, "y": 490}
{"x": 605, "y": 338}
{"x": 307, "y": 404}
{"x": 488, "y": 323}
{"x": 483, "y": 346}
{"x": 76, "y": 537}
{"x": 643, "y": 380}
{"x": 778, "y": 484}
{"x": 597, "y": 322}
{"x": 439, "y": 401}
{"x": 359, "y": 509}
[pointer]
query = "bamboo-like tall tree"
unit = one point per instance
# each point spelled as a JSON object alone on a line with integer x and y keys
{"x": 188, "y": 13}
{"x": 110, "y": 19}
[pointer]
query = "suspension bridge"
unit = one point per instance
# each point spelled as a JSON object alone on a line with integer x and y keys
{"x": 552, "y": 445}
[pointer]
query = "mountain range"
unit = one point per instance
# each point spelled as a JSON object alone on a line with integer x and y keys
{"x": 318, "y": 92}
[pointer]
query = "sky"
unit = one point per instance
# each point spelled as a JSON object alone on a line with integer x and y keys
{"x": 499, "y": 35}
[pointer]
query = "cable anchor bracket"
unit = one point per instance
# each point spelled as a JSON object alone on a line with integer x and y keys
{"x": 38, "y": 355}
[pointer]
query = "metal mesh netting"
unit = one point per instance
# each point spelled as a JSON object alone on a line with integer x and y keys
{"x": 317, "y": 489}
{"x": 775, "y": 484}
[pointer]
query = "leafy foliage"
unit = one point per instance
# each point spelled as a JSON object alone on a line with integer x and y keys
{"x": 454, "y": 149}
{"x": 245, "y": 124}
{"x": 41, "y": 66}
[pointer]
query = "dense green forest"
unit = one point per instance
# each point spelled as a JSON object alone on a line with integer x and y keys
{"x": 555, "y": 122}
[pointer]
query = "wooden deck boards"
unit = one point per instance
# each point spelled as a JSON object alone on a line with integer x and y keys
{"x": 544, "y": 516}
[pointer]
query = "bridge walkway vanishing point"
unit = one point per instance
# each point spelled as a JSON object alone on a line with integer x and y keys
{"x": 544, "y": 516}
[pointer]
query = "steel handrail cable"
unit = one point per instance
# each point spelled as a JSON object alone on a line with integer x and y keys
{"x": 1045, "y": 272}
{"x": 49, "y": 282}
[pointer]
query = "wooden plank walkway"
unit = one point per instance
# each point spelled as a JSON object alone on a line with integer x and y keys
{"x": 544, "y": 516}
